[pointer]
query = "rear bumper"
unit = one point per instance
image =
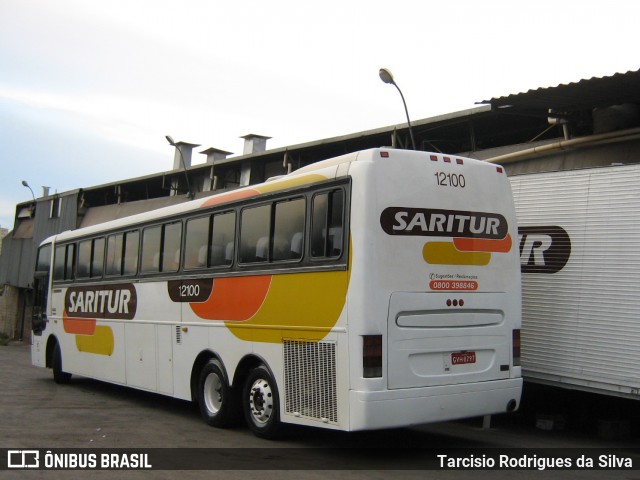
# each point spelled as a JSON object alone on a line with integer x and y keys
{"x": 414, "y": 406}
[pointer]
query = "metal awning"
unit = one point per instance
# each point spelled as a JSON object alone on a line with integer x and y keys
{"x": 621, "y": 88}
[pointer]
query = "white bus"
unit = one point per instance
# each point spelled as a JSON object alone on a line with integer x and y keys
{"x": 378, "y": 289}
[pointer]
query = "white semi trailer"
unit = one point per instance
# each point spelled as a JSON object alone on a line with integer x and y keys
{"x": 579, "y": 239}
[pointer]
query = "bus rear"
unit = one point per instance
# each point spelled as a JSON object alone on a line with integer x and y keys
{"x": 434, "y": 303}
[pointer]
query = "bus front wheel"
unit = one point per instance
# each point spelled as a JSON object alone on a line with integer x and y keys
{"x": 260, "y": 403}
{"x": 59, "y": 375}
{"x": 216, "y": 398}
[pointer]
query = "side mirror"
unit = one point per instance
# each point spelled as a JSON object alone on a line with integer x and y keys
{"x": 38, "y": 321}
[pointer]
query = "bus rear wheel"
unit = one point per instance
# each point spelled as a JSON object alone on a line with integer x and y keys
{"x": 59, "y": 375}
{"x": 260, "y": 402}
{"x": 216, "y": 399}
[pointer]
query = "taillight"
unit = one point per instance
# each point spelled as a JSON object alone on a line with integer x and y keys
{"x": 372, "y": 356}
{"x": 516, "y": 348}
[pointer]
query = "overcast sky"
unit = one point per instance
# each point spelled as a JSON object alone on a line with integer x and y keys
{"x": 89, "y": 89}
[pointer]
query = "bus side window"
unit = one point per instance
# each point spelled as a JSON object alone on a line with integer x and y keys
{"x": 90, "y": 258}
{"x": 196, "y": 241}
{"x": 151, "y": 249}
{"x": 255, "y": 227}
{"x": 59, "y": 262}
{"x": 63, "y": 262}
{"x": 122, "y": 253}
{"x": 84, "y": 259}
{"x": 327, "y": 224}
{"x": 97, "y": 258}
{"x": 43, "y": 262}
{"x": 223, "y": 239}
{"x": 131, "y": 246}
{"x": 71, "y": 257}
{"x": 114, "y": 255}
{"x": 287, "y": 229}
{"x": 172, "y": 239}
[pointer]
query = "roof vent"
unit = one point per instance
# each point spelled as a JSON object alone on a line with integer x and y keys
{"x": 215, "y": 154}
{"x": 254, "y": 144}
{"x": 185, "y": 149}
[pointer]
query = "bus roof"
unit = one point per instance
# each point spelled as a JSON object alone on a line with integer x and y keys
{"x": 318, "y": 171}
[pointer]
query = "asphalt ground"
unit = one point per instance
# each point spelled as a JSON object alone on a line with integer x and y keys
{"x": 92, "y": 416}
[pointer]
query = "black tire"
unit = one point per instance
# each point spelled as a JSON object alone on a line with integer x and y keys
{"x": 59, "y": 375}
{"x": 219, "y": 405}
{"x": 261, "y": 404}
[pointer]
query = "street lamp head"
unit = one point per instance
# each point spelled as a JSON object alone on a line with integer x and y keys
{"x": 24, "y": 183}
{"x": 386, "y": 76}
{"x": 170, "y": 140}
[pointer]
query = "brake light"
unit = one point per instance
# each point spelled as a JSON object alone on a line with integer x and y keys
{"x": 372, "y": 356}
{"x": 516, "y": 348}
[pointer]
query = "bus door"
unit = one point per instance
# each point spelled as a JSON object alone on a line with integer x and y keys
{"x": 39, "y": 318}
{"x": 39, "y": 311}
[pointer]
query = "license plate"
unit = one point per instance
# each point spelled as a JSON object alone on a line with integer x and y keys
{"x": 462, "y": 358}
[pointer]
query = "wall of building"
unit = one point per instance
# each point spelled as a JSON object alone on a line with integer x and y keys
{"x": 10, "y": 310}
{"x": 587, "y": 156}
{"x": 3, "y": 233}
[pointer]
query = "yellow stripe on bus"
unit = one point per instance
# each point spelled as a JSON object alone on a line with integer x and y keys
{"x": 308, "y": 300}
{"x": 445, "y": 253}
{"x": 277, "y": 185}
{"x": 101, "y": 342}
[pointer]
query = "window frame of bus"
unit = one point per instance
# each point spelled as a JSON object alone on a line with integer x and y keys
{"x": 307, "y": 261}
{"x": 161, "y": 269}
{"x": 43, "y": 263}
{"x": 68, "y": 267}
{"x": 270, "y": 233}
{"x": 326, "y": 224}
{"x": 211, "y": 217}
{"x": 90, "y": 273}
{"x": 124, "y": 234}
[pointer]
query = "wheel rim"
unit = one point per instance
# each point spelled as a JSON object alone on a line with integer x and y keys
{"x": 213, "y": 393}
{"x": 261, "y": 402}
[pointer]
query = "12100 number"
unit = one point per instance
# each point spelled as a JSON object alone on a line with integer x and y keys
{"x": 450, "y": 179}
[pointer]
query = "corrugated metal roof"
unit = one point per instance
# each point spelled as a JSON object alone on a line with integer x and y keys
{"x": 583, "y": 95}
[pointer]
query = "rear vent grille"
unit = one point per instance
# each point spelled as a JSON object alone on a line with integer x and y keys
{"x": 178, "y": 335}
{"x": 310, "y": 380}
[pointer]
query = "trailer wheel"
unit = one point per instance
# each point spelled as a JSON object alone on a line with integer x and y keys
{"x": 261, "y": 404}
{"x": 59, "y": 375}
{"x": 216, "y": 399}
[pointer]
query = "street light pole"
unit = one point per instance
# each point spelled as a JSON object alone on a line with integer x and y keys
{"x": 25, "y": 184}
{"x": 387, "y": 77}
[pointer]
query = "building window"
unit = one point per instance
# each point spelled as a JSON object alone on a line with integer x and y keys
{"x": 55, "y": 207}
